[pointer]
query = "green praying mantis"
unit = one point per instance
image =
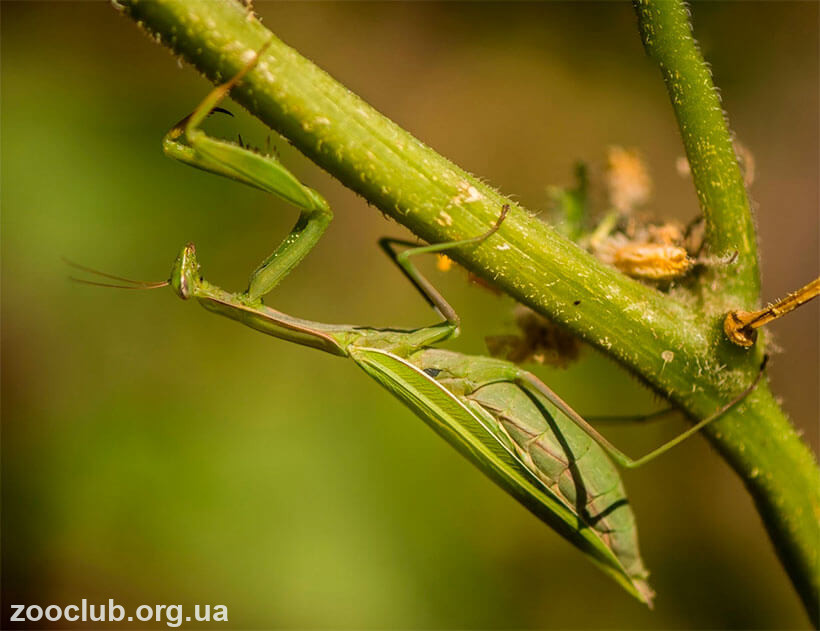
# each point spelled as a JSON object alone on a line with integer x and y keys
{"x": 501, "y": 417}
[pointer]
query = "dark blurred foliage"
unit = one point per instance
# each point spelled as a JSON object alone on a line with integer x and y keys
{"x": 153, "y": 453}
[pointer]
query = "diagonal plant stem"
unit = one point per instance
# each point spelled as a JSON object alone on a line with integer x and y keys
{"x": 438, "y": 201}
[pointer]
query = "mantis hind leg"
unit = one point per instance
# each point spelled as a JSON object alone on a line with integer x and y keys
{"x": 189, "y": 144}
{"x": 530, "y": 382}
{"x": 422, "y": 285}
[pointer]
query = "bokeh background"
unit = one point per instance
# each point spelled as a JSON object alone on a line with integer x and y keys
{"x": 153, "y": 453}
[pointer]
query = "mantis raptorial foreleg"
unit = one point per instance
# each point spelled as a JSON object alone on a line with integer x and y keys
{"x": 187, "y": 143}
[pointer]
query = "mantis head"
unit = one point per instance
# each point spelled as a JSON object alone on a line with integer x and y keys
{"x": 185, "y": 272}
{"x": 184, "y": 276}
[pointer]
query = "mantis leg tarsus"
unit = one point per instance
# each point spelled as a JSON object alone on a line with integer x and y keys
{"x": 221, "y": 91}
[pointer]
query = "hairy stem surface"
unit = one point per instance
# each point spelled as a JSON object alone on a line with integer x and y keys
{"x": 667, "y": 37}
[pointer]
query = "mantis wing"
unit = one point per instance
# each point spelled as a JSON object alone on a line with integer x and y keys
{"x": 475, "y": 433}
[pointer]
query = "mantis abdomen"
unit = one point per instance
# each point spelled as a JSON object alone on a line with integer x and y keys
{"x": 572, "y": 465}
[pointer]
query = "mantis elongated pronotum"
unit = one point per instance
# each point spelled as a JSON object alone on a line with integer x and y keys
{"x": 501, "y": 417}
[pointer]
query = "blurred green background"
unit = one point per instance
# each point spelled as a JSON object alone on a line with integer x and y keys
{"x": 153, "y": 453}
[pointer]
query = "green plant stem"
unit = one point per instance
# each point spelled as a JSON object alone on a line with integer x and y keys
{"x": 667, "y": 37}
{"x": 440, "y": 202}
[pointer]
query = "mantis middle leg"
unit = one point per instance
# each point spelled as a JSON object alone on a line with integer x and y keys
{"x": 526, "y": 380}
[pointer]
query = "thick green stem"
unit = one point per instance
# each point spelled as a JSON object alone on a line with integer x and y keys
{"x": 760, "y": 444}
{"x": 679, "y": 352}
{"x": 667, "y": 37}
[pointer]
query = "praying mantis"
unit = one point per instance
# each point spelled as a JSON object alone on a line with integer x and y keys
{"x": 498, "y": 415}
